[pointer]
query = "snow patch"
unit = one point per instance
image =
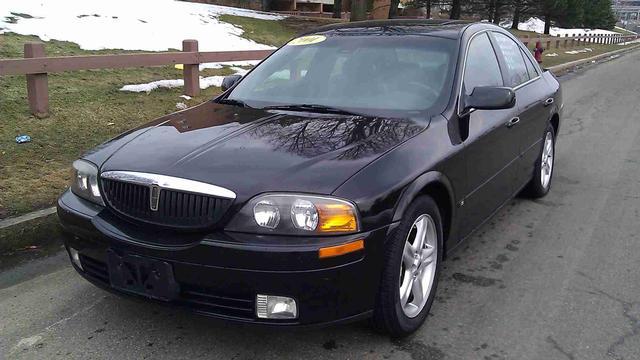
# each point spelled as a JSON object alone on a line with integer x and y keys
{"x": 537, "y": 25}
{"x": 573, "y": 52}
{"x": 630, "y": 42}
{"x": 151, "y": 25}
{"x": 205, "y": 82}
{"x": 27, "y": 342}
{"x": 220, "y": 65}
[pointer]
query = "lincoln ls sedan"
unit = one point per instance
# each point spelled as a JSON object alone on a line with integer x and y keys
{"x": 326, "y": 185}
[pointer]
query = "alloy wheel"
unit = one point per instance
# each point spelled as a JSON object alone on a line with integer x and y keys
{"x": 418, "y": 266}
{"x": 547, "y": 161}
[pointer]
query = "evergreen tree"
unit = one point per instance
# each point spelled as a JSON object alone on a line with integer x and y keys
{"x": 552, "y": 10}
{"x": 573, "y": 15}
{"x": 598, "y": 14}
{"x": 522, "y": 9}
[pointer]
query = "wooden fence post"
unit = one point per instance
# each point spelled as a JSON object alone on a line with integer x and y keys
{"x": 37, "y": 84}
{"x": 191, "y": 72}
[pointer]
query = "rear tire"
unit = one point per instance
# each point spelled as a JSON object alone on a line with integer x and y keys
{"x": 411, "y": 268}
{"x": 543, "y": 173}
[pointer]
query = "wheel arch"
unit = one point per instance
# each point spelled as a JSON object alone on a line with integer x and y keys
{"x": 436, "y": 185}
{"x": 555, "y": 122}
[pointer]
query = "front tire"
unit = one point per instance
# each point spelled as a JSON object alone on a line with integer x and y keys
{"x": 412, "y": 265}
{"x": 543, "y": 173}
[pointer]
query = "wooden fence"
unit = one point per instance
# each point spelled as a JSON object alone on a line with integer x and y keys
{"x": 36, "y": 65}
{"x": 549, "y": 42}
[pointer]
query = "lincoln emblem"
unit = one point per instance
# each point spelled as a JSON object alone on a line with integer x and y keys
{"x": 154, "y": 199}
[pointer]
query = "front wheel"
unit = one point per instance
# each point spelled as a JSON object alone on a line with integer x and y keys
{"x": 541, "y": 181}
{"x": 411, "y": 269}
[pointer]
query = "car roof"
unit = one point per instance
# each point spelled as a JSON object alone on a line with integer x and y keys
{"x": 452, "y": 29}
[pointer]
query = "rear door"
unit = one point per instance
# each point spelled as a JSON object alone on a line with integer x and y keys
{"x": 524, "y": 77}
{"x": 490, "y": 149}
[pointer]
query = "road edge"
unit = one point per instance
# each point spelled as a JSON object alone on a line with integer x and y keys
{"x": 563, "y": 68}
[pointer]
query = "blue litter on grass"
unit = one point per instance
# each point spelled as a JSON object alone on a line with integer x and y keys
{"x": 21, "y": 139}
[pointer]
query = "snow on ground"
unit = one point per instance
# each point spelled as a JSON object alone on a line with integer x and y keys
{"x": 152, "y": 25}
{"x": 636, "y": 41}
{"x": 574, "y": 52}
{"x": 537, "y": 25}
{"x": 220, "y": 65}
{"x": 629, "y": 31}
{"x": 205, "y": 82}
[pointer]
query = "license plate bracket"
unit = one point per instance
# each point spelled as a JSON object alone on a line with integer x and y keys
{"x": 142, "y": 276}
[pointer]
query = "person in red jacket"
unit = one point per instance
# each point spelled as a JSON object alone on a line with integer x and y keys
{"x": 537, "y": 52}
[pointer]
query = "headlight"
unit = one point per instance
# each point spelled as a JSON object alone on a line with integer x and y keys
{"x": 291, "y": 214}
{"x": 85, "y": 181}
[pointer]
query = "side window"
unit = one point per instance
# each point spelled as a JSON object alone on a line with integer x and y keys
{"x": 482, "y": 67}
{"x": 516, "y": 69}
{"x": 533, "y": 73}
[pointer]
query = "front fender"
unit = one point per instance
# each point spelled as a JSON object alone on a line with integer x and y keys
{"x": 417, "y": 186}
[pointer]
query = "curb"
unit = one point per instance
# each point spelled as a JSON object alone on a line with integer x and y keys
{"x": 562, "y": 68}
{"x": 26, "y": 217}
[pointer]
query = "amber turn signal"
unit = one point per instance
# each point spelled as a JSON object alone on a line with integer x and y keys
{"x": 336, "y": 218}
{"x": 341, "y": 249}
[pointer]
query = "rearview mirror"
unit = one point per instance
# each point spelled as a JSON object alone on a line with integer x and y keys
{"x": 490, "y": 98}
{"x": 229, "y": 81}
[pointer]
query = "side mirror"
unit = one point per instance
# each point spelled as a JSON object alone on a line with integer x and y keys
{"x": 229, "y": 81}
{"x": 489, "y": 98}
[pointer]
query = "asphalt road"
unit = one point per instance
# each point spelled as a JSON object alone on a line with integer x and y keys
{"x": 557, "y": 278}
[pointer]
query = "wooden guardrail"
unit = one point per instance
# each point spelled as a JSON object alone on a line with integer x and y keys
{"x": 36, "y": 65}
{"x": 567, "y": 41}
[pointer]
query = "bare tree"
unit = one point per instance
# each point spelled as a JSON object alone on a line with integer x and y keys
{"x": 337, "y": 9}
{"x": 393, "y": 9}
{"x": 358, "y": 10}
{"x": 456, "y": 9}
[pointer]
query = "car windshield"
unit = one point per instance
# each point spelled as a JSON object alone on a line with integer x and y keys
{"x": 361, "y": 74}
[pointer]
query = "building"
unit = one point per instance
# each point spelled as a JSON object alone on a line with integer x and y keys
{"x": 627, "y": 11}
{"x": 304, "y": 6}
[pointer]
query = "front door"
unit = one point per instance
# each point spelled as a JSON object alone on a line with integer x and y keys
{"x": 530, "y": 90}
{"x": 491, "y": 150}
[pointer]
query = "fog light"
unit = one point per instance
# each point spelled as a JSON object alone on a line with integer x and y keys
{"x": 276, "y": 307}
{"x": 75, "y": 257}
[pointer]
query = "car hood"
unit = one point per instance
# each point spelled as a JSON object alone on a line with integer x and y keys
{"x": 250, "y": 151}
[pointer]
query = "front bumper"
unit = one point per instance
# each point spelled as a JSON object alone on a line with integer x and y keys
{"x": 220, "y": 274}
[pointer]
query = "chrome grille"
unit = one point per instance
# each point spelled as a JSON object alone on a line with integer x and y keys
{"x": 173, "y": 208}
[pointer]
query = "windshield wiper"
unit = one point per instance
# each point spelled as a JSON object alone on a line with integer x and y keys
{"x": 235, "y": 102}
{"x": 311, "y": 108}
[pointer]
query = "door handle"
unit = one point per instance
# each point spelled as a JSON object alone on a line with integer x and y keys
{"x": 548, "y": 102}
{"x": 513, "y": 121}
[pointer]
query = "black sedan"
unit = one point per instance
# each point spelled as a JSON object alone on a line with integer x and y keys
{"x": 326, "y": 185}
